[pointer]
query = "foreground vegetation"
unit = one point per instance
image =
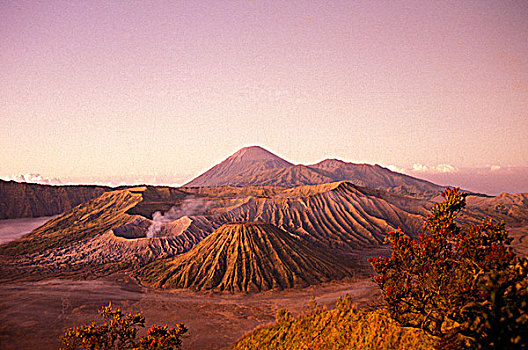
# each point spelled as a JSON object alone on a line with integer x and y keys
{"x": 344, "y": 327}
{"x": 119, "y": 331}
{"x": 461, "y": 284}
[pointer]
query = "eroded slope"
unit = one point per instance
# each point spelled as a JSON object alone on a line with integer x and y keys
{"x": 126, "y": 229}
{"x": 247, "y": 257}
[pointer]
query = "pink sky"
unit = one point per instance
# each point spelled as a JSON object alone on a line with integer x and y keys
{"x": 120, "y": 88}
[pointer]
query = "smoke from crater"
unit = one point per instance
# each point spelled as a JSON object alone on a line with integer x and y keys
{"x": 190, "y": 206}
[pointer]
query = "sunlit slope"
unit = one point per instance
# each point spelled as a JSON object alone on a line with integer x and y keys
{"x": 110, "y": 232}
{"x": 81, "y": 223}
{"x": 100, "y": 237}
{"x": 247, "y": 257}
{"x": 336, "y": 214}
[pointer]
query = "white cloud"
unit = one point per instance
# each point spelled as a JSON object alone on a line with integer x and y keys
{"x": 33, "y": 178}
{"x": 396, "y": 169}
{"x": 440, "y": 168}
{"x": 445, "y": 168}
{"x": 420, "y": 168}
{"x": 495, "y": 167}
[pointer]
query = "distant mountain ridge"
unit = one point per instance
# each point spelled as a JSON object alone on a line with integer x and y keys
{"x": 250, "y": 166}
{"x": 18, "y": 200}
{"x": 373, "y": 176}
{"x": 255, "y": 166}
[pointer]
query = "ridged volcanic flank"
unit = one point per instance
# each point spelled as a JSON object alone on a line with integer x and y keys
{"x": 247, "y": 257}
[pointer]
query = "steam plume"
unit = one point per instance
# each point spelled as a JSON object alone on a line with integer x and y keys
{"x": 190, "y": 206}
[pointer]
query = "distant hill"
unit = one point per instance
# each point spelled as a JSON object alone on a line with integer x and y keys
{"x": 374, "y": 176}
{"x": 254, "y": 166}
{"x": 19, "y": 200}
{"x": 247, "y": 257}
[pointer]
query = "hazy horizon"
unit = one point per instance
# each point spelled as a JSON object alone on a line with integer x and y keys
{"x": 109, "y": 89}
{"x": 491, "y": 180}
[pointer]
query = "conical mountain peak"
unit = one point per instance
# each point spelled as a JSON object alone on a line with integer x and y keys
{"x": 248, "y": 257}
{"x": 254, "y": 153}
{"x": 243, "y": 164}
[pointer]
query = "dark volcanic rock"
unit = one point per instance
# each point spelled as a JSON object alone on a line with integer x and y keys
{"x": 19, "y": 200}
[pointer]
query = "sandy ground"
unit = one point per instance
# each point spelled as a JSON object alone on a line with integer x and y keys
{"x": 16, "y": 228}
{"x": 34, "y": 314}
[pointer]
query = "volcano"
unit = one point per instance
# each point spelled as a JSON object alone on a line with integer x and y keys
{"x": 247, "y": 257}
{"x": 245, "y": 163}
{"x": 255, "y": 166}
